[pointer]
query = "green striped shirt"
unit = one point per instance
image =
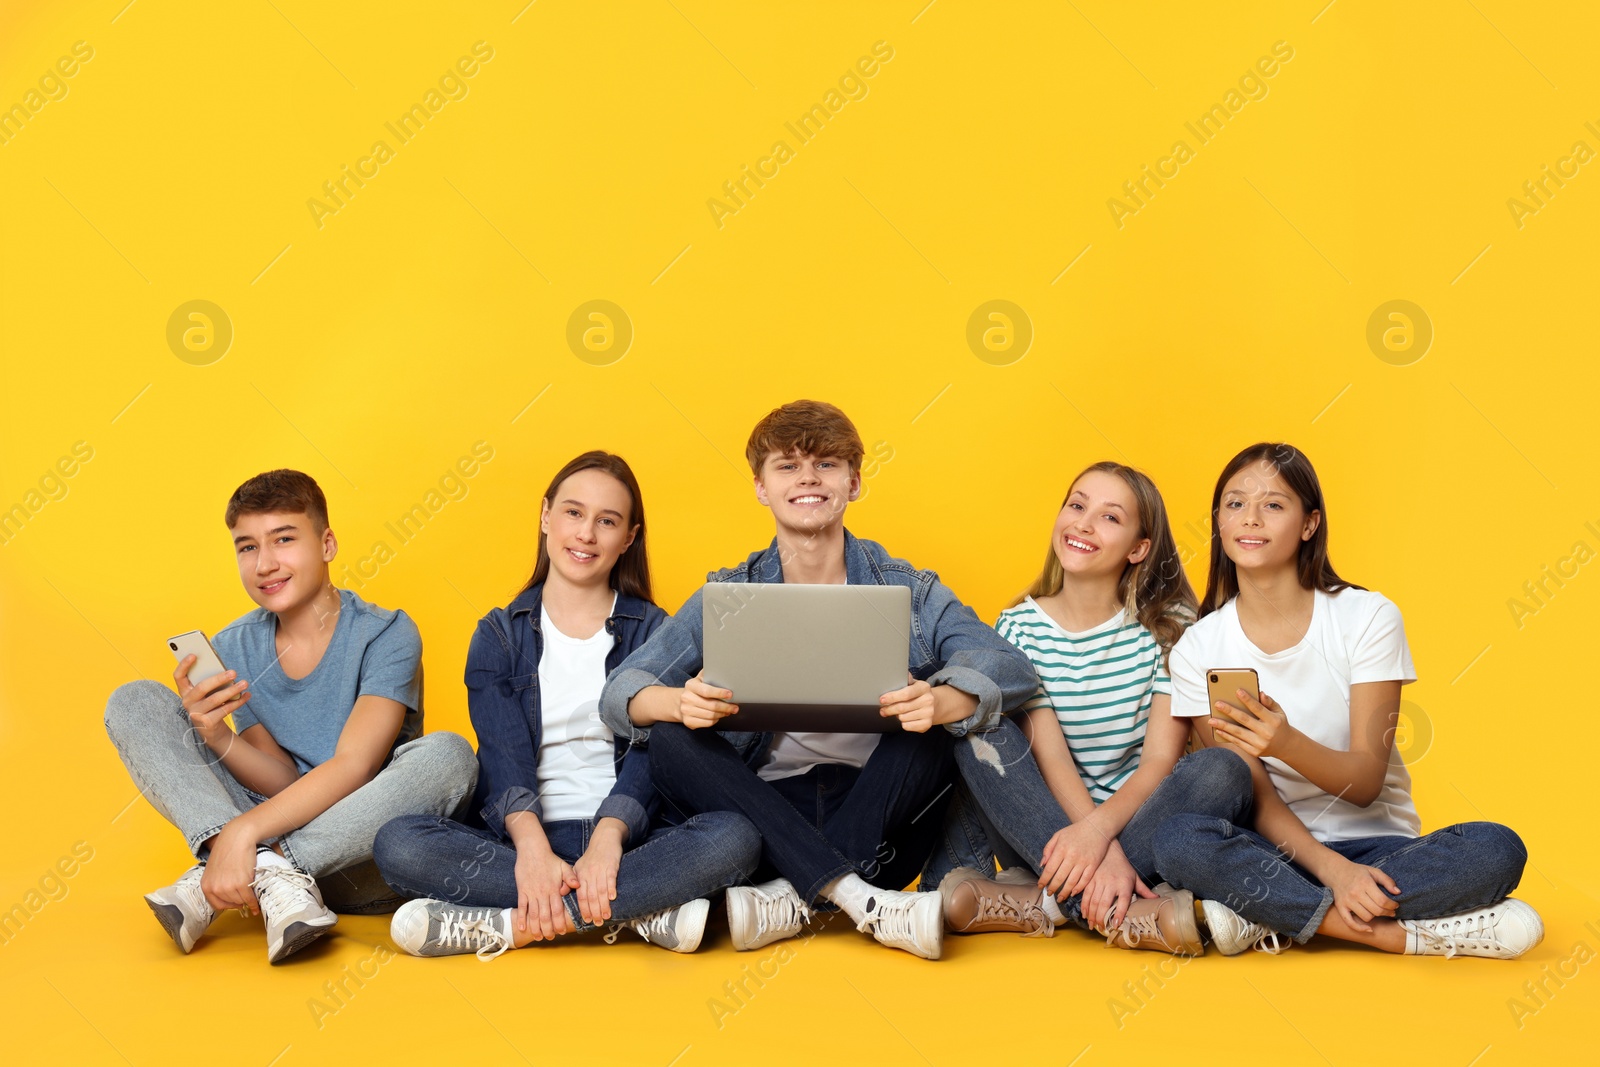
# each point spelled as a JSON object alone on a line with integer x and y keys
{"x": 1100, "y": 684}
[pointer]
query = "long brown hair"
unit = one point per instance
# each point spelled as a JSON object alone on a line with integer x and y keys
{"x": 630, "y": 575}
{"x": 1314, "y": 568}
{"x": 1155, "y": 590}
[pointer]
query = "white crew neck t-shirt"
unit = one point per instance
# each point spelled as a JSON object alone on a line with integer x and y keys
{"x": 1355, "y": 636}
{"x": 577, "y": 754}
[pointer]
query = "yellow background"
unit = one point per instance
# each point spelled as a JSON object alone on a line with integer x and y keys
{"x": 431, "y": 311}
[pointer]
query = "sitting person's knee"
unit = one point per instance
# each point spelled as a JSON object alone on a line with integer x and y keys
{"x": 139, "y": 702}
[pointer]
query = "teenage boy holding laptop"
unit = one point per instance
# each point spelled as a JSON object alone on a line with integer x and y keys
{"x": 845, "y": 818}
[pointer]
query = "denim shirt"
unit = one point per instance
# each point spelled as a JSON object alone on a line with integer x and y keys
{"x": 503, "y": 698}
{"x": 950, "y": 645}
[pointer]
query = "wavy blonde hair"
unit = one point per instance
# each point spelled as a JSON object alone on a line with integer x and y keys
{"x": 1155, "y": 590}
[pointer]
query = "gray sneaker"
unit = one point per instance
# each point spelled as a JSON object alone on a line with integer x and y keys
{"x": 292, "y": 906}
{"x": 679, "y": 929}
{"x": 438, "y": 928}
{"x": 182, "y": 909}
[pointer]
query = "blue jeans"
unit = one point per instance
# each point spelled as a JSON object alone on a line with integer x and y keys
{"x": 1013, "y": 802}
{"x": 1461, "y": 868}
{"x": 427, "y": 856}
{"x": 186, "y": 782}
{"x": 879, "y": 821}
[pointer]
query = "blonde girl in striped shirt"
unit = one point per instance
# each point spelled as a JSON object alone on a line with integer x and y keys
{"x": 1070, "y": 792}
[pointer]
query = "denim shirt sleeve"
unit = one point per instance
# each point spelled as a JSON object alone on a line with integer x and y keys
{"x": 975, "y": 660}
{"x": 508, "y": 763}
{"x": 673, "y": 654}
{"x": 633, "y": 799}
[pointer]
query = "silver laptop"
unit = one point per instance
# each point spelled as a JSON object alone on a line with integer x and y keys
{"x": 807, "y": 657}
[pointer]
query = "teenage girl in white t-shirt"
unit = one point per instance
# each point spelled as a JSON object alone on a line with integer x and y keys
{"x": 1073, "y": 796}
{"x": 566, "y": 831}
{"x": 1334, "y": 847}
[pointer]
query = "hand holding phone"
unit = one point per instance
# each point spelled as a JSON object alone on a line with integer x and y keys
{"x": 1254, "y": 722}
{"x": 209, "y": 690}
{"x": 1224, "y": 683}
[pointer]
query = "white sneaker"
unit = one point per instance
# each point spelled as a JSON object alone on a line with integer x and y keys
{"x": 437, "y": 928}
{"x": 910, "y": 921}
{"x": 1232, "y": 933}
{"x": 679, "y": 929}
{"x": 1502, "y": 931}
{"x": 182, "y": 909}
{"x": 292, "y": 906}
{"x": 758, "y": 915}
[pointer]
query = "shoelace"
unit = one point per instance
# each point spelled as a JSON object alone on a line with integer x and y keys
{"x": 1260, "y": 943}
{"x": 1136, "y": 928}
{"x": 1457, "y": 931}
{"x": 1003, "y": 907}
{"x": 474, "y": 930}
{"x": 653, "y": 928}
{"x": 891, "y": 923}
{"x": 781, "y": 911}
{"x": 276, "y": 887}
{"x": 189, "y": 886}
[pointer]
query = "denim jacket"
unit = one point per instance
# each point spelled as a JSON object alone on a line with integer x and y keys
{"x": 950, "y": 645}
{"x": 503, "y": 698}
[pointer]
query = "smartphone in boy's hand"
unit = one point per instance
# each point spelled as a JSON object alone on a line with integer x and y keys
{"x": 211, "y": 694}
{"x": 206, "y": 661}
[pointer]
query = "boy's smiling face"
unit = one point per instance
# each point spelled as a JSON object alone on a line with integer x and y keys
{"x": 806, "y": 493}
{"x": 283, "y": 558}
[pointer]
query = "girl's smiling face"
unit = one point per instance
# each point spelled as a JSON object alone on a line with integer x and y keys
{"x": 1097, "y": 531}
{"x": 588, "y": 526}
{"x": 1262, "y": 521}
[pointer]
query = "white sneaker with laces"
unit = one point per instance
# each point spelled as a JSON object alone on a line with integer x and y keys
{"x": 1502, "y": 931}
{"x": 910, "y": 921}
{"x": 758, "y": 915}
{"x": 679, "y": 929}
{"x": 1232, "y": 933}
{"x": 427, "y": 927}
{"x": 182, "y": 909}
{"x": 292, "y": 906}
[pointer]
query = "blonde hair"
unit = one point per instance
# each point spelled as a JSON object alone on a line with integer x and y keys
{"x": 1155, "y": 590}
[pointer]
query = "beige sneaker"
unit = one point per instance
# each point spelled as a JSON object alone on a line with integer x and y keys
{"x": 1163, "y": 924}
{"x": 974, "y": 904}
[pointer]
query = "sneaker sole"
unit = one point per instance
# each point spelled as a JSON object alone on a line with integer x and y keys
{"x": 170, "y": 916}
{"x": 1188, "y": 928}
{"x": 297, "y": 936}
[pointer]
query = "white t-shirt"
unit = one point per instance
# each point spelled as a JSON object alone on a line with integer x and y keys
{"x": 1355, "y": 636}
{"x": 577, "y": 751}
{"x": 797, "y": 753}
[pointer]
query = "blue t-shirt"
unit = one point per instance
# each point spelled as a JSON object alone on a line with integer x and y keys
{"x": 373, "y": 652}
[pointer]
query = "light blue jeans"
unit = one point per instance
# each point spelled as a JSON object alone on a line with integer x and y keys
{"x": 186, "y": 782}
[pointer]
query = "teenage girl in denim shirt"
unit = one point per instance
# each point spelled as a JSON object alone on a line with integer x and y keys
{"x": 566, "y": 835}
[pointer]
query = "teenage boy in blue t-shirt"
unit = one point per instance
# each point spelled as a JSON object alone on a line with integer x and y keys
{"x": 325, "y": 691}
{"x": 844, "y": 818}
